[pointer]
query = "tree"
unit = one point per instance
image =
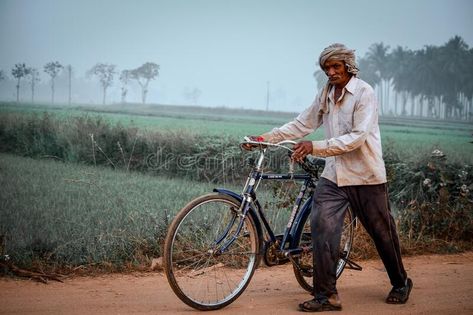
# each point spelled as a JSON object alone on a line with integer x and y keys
{"x": 147, "y": 72}
{"x": 368, "y": 72}
{"x": 19, "y": 71}
{"x": 400, "y": 62}
{"x": 33, "y": 74}
{"x": 105, "y": 73}
{"x": 125, "y": 77}
{"x": 192, "y": 95}
{"x": 2, "y": 75}
{"x": 53, "y": 68}
{"x": 321, "y": 79}
{"x": 377, "y": 56}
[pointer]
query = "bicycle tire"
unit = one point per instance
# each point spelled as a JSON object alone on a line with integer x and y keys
{"x": 200, "y": 278}
{"x": 305, "y": 277}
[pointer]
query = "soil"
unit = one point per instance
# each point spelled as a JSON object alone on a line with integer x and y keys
{"x": 443, "y": 284}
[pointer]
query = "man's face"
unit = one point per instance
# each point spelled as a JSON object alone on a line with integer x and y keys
{"x": 336, "y": 72}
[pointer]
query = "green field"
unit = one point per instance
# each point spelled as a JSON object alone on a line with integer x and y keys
{"x": 406, "y": 137}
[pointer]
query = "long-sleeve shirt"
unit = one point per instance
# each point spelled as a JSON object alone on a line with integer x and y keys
{"x": 352, "y": 144}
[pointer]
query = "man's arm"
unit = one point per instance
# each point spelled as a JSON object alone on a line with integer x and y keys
{"x": 304, "y": 124}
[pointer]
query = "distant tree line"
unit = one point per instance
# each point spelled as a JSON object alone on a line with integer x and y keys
{"x": 104, "y": 72}
{"x": 434, "y": 82}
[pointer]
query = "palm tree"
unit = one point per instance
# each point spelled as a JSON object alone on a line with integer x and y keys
{"x": 453, "y": 57}
{"x": 321, "y": 78}
{"x": 377, "y": 56}
{"x": 399, "y": 63}
{"x": 368, "y": 72}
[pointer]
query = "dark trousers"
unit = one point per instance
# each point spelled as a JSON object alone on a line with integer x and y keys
{"x": 370, "y": 204}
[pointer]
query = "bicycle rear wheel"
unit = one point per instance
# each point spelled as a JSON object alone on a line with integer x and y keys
{"x": 305, "y": 270}
{"x": 198, "y": 273}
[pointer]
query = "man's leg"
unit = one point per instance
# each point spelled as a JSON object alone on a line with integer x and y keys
{"x": 328, "y": 209}
{"x": 371, "y": 206}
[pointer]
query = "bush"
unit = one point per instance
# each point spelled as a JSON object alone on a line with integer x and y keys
{"x": 432, "y": 198}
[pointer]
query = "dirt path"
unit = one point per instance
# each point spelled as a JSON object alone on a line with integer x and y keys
{"x": 442, "y": 285}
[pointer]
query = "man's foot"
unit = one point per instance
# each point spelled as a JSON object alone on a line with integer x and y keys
{"x": 319, "y": 305}
{"x": 400, "y": 295}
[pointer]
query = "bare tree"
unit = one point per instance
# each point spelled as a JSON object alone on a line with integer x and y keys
{"x": 19, "y": 71}
{"x": 53, "y": 68}
{"x": 147, "y": 72}
{"x": 192, "y": 95}
{"x": 105, "y": 73}
{"x": 33, "y": 74}
{"x": 125, "y": 77}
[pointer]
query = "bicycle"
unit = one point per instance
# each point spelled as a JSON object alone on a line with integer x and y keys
{"x": 215, "y": 243}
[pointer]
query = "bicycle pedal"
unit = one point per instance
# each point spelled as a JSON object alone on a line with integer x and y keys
{"x": 292, "y": 252}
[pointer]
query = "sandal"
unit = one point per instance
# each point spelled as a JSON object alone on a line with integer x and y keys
{"x": 316, "y": 305}
{"x": 400, "y": 295}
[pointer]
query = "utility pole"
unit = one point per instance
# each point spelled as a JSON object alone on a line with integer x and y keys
{"x": 267, "y": 95}
{"x": 69, "y": 68}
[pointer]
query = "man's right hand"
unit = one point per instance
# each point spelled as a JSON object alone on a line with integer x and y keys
{"x": 249, "y": 146}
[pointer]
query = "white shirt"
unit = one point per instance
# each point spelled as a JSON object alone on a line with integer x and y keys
{"x": 352, "y": 144}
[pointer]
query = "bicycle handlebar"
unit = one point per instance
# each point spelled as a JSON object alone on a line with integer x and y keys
{"x": 310, "y": 164}
{"x": 281, "y": 144}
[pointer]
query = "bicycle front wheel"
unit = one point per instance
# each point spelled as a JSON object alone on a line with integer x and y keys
{"x": 304, "y": 268}
{"x": 199, "y": 272}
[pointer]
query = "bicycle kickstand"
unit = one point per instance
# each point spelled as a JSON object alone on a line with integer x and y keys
{"x": 353, "y": 265}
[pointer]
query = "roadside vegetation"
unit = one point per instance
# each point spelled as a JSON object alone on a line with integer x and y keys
{"x": 83, "y": 189}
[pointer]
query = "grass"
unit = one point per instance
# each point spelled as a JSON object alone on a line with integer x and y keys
{"x": 65, "y": 215}
{"x": 77, "y": 215}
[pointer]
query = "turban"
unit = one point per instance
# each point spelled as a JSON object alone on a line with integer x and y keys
{"x": 342, "y": 53}
{"x": 335, "y": 52}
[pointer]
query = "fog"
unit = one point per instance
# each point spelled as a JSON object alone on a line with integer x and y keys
{"x": 233, "y": 53}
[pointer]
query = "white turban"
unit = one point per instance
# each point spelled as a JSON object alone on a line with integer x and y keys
{"x": 342, "y": 53}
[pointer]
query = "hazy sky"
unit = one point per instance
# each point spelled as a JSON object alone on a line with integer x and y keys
{"x": 227, "y": 49}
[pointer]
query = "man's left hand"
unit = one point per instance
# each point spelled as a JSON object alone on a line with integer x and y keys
{"x": 301, "y": 149}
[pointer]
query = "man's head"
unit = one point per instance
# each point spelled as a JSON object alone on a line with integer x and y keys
{"x": 338, "y": 63}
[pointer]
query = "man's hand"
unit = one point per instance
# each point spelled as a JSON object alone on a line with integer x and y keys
{"x": 301, "y": 149}
{"x": 248, "y": 146}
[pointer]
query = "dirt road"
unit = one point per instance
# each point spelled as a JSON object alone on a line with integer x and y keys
{"x": 442, "y": 285}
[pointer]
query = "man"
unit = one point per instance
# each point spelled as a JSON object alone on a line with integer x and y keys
{"x": 354, "y": 175}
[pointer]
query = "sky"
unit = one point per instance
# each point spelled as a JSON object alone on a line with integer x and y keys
{"x": 233, "y": 52}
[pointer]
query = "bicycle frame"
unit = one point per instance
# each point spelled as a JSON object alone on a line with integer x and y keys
{"x": 249, "y": 202}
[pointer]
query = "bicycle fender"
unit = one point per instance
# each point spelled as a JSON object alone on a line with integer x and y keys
{"x": 251, "y": 211}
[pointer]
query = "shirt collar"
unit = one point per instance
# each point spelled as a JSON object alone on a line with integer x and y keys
{"x": 351, "y": 85}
